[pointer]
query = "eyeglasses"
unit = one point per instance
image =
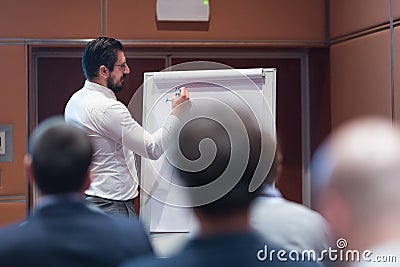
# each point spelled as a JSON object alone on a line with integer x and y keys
{"x": 123, "y": 66}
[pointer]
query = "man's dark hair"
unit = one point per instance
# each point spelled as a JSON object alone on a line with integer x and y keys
{"x": 100, "y": 51}
{"x": 61, "y": 155}
{"x": 202, "y": 128}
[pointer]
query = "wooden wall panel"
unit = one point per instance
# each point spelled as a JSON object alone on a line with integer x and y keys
{"x": 229, "y": 20}
{"x": 12, "y": 212}
{"x": 349, "y": 16}
{"x": 397, "y": 74}
{"x": 50, "y": 19}
{"x": 360, "y": 78}
{"x": 396, "y": 9}
{"x": 320, "y": 102}
{"x": 13, "y": 111}
{"x": 52, "y": 96}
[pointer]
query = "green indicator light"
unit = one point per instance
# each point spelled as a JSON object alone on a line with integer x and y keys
{"x": 205, "y": 2}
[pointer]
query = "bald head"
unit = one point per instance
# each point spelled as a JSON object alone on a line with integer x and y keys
{"x": 359, "y": 168}
{"x": 365, "y": 157}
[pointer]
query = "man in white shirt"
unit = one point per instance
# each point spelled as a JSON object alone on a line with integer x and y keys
{"x": 115, "y": 135}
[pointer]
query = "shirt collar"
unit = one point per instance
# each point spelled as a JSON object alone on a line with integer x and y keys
{"x": 100, "y": 88}
{"x": 48, "y": 200}
{"x": 270, "y": 191}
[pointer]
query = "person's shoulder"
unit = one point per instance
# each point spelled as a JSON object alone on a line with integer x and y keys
{"x": 128, "y": 233}
{"x": 125, "y": 226}
{"x": 14, "y": 235}
{"x": 299, "y": 208}
{"x": 180, "y": 260}
{"x": 282, "y": 205}
{"x": 117, "y": 222}
{"x": 7, "y": 230}
{"x": 145, "y": 261}
{"x": 77, "y": 96}
{"x": 15, "y": 227}
{"x": 113, "y": 222}
{"x": 115, "y": 105}
{"x": 199, "y": 258}
{"x": 122, "y": 221}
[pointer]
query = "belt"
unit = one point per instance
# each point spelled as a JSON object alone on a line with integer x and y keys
{"x": 108, "y": 199}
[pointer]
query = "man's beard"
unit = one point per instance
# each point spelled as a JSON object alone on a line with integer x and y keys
{"x": 114, "y": 86}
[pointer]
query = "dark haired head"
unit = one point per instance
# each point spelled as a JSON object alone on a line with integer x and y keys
{"x": 230, "y": 151}
{"x": 60, "y": 155}
{"x": 276, "y": 167}
{"x": 100, "y": 51}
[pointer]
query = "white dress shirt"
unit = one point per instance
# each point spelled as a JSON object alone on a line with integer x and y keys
{"x": 116, "y": 136}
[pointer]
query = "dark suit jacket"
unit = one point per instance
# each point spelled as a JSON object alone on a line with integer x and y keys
{"x": 233, "y": 250}
{"x": 71, "y": 234}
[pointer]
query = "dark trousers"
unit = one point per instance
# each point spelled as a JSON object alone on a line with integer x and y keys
{"x": 114, "y": 207}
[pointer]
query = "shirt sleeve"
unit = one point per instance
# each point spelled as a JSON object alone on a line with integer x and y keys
{"x": 118, "y": 124}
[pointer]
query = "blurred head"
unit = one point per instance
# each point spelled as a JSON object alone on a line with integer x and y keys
{"x": 104, "y": 58}
{"x": 231, "y": 144}
{"x": 358, "y": 170}
{"x": 276, "y": 167}
{"x": 59, "y": 158}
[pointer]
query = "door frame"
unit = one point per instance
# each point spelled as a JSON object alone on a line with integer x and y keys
{"x": 135, "y": 50}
